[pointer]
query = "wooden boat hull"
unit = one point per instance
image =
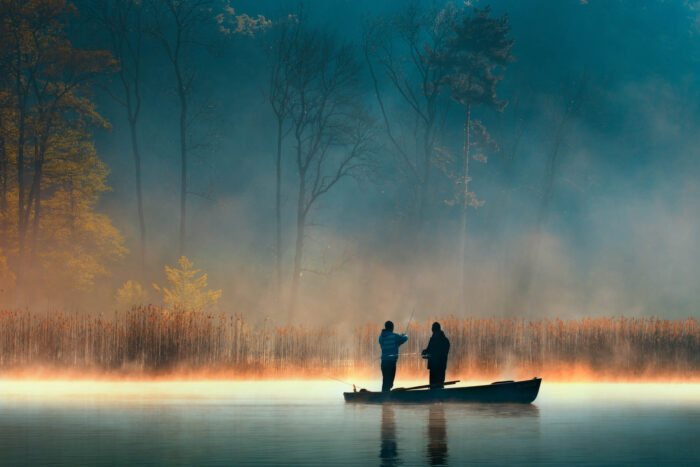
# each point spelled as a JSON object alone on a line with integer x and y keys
{"x": 522, "y": 392}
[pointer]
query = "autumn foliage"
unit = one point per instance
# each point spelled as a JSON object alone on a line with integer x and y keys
{"x": 51, "y": 177}
{"x": 150, "y": 340}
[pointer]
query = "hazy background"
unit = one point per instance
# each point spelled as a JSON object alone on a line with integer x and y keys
{"x": 619, "y": 235}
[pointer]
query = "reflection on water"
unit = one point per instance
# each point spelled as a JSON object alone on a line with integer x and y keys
{"x": 388, "y": 451}
{"x": 437, "y": 435}
{"x": 436, "y": 450}
{"x": 254, "y": 424}
{"x": 501, "y": 410}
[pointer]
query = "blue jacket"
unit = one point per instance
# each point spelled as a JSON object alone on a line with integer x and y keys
{"x": 390, "y": 342}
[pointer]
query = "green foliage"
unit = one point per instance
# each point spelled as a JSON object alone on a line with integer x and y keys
{"x": 188, "y": 289}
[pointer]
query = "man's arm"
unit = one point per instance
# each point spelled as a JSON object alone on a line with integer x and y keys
{"x": 402, "y": 338}
{"x": 428, "y": 349}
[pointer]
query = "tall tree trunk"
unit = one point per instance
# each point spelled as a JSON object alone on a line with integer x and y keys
{"x": 35, "y": 191}
{"x": 71, "y": 216}
{"x": 425, "y": 181}
{"x": 21, "y": 122}
{"x": 183, "y": 162}
{"x": 299, "y": 247}
{"x": 521, "y": 292}
{"x": 278, "y": 215}
{"x": 4, "y": 167}
{"x": 21, "y": 226}
{"x": 38, "y": 172}
{"x": 465, "y": 207}
{"x": 139, "y": 196}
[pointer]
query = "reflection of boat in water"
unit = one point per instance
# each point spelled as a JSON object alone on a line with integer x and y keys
{"x": 523, "y": 392}
{"x": 494, "y": 411}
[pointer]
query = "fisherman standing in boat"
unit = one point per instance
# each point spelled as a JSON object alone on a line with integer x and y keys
{"x": 390, "y": 342}
{"x": 436, "y": 354}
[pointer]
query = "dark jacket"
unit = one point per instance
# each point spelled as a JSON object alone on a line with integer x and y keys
{"x": 437, "y": 351}
{"x": 390, "y": 342}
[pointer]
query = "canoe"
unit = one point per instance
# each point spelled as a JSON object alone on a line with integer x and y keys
{"x": 521, "y": 392}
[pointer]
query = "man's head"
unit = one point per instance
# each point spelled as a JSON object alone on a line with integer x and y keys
{"x": 436, "y": 326}
{"x": 389, "y": 326}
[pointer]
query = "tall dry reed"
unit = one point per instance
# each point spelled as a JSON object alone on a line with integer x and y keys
{"x": 153, "y": 340}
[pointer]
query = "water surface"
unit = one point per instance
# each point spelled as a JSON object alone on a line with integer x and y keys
{"x": 307, "y": 423}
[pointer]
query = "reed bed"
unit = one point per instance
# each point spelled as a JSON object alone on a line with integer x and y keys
{"x": 151, "y": 340}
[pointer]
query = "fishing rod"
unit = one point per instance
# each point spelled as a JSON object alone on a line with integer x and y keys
{"x": 339, "y": 380}
{"x": 400, "y": 355}
{"x": 409, "y": 321}
{"x": 354, "y": 388}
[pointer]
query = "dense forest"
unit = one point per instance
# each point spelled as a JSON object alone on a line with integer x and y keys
{"x": 438, "y": 156}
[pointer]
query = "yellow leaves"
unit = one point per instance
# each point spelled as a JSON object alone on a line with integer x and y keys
{"x": 231, "y": 23}
{"x": 131, "y": 294}
{"x": 64, "y": 177}
{"x": 188, "y": 290}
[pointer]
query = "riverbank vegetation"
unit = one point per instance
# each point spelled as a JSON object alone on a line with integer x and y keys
{"x": 152, "y": 341}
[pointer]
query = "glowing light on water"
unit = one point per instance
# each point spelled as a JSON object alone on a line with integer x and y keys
{"x": 311, "y": 391}
{"x": 134, "y": 390}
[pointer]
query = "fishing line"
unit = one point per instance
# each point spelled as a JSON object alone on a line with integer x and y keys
{"x": 339, "y": 380}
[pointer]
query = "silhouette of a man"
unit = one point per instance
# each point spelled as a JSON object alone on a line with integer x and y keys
{"x": 436, "y": 354}
{"x": 390, "y": 342}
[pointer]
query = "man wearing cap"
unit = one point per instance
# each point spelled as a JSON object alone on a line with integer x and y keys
{"x": 390, "y": 342}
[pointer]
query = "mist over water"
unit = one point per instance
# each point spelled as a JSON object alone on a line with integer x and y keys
{"x": 548, "y": 216}
{"x": 308, "y": 424}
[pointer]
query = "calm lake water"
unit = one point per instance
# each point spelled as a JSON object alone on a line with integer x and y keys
{"x": 307, "y": 423}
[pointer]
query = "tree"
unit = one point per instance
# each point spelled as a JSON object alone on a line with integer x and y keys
{"x": 5, "y": 114}
{"x": 4, "y": 155}
{"x": 331, "y": 131}
{"x": 400, "y": 50}
{"x": 177, "y": 26}
{"x": 477, "y": 50}
{"x": 278, "y": 48}
{"x": 47, "y": 115}
{"x": 188, "y": 288}
{"x": 572, "y": 98}
{"x": 7, "y": 280}
{"x": 280, "y": 96}
{"x": 131, "y": 294}
{"x": 122, "y": 22}
{"x": 73, "y": 238}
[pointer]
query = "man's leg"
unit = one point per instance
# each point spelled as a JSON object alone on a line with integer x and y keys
{"x": 437, "y": 378}
{"x": 388, "y": 374}
{"x": 385, "y": 376}
{"x": 392, "y": 374}
{"x": 440, "y": 378}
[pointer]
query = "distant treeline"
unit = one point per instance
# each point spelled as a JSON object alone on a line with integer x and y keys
{"x": 152, "y": 341}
